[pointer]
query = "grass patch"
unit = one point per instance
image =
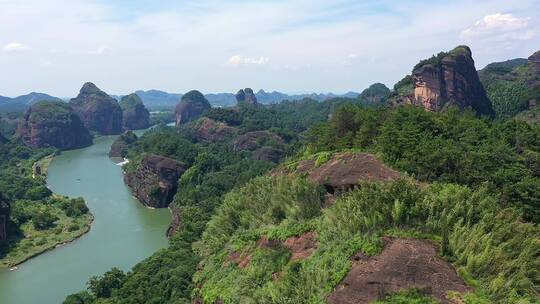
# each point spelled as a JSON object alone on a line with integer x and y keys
{"x": 30, "y": 242}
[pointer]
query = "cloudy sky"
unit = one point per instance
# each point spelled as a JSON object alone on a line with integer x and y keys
{"x": 293, "y": 46}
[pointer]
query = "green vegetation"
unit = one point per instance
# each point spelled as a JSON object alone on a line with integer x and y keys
{"x": 479, "y": 202}
{"x": 38, "y": 220}
{"x": 447, "y": 147}
{"x": 510, "y": 85}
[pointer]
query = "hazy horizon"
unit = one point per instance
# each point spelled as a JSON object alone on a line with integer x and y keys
{"x": 220, "y": 46}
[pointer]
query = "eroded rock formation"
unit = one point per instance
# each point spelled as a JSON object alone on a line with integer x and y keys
{"x": 246, "y": 96}
{"x": 450, "y": 79}
{"x": 344, "y": 171}
{"x": 98, "y": 111}
{"x": 403, "y": 264}
{"x": 192, "y": 105}
{"x": 535, "y": 60}
{"x": 209, "y": 130}
{"x": 53, "y": 124}
{"x": 155, "y": 180}
{"x": 135, "y": 116}
{"x": 256, "y": 139}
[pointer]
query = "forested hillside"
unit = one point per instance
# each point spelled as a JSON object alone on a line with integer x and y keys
{"x": 471, "y": 189}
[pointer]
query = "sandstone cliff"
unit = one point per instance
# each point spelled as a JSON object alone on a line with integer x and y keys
{"x": 155, "y": 181}
{"x": 98, "y": 111}
{"x": 450, "y": 79}
{"x": 120, "y": 146}
{"x": 135, "y": 116}
{"x": 192, "y": 105}
{"x": 246, "y": 96}
{"x": 53, "y": 124}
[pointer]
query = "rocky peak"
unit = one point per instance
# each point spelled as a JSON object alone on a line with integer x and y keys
{"x": 53, "y": 124}
{"x": 246, "y": 96}
{"x": 98, "y": 111}
{"x": 191, "y": 107}
{"x": 134, "y": 114}
{"x": 89, "y": 88}
{"x": 375, "y": 93}
{"x": 450, "y": 79}
{"x": 155, "y": 180}
{"x": 535, "y": 60}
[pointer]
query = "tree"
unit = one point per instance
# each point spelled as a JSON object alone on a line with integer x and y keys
{"x": 103, "y": 286}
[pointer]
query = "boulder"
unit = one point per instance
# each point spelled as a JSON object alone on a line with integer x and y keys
{"x": 155, "y": 180}
{"x": 191, "y": 107}
{"x": 135, "y": 116}
{"x": 53, "y": 124}
{"x": 246, "y": 96}
{"x": 120, "y": 146}
{"x": 450, "y": 79}
{"x": 344, "y": 171}
{"x": 251, "y": 141}
{"x": 98, "y": 111}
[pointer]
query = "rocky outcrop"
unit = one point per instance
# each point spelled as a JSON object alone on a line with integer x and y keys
{"x": 344, "y": 171}
{"x": 98, "y": 111}
{"x": 155, "y": 180}
{"x": 251, "y": 141}
{"x": 53, "y": 124}
{"x": 120, "y": 146}
{"x": 403, "y": 264}
{"x": 209, "y": 130}
{"x": 535, "y": 60}
{"x": 191, "y": 107}
{"x": 135, "y": 116}
{"x": 4, "y": 216}
{"x": 268, "y": 154}
{"x": 246, "y": 96}
{"x": 176, "y": 221}
{"x": 450, "y": 79}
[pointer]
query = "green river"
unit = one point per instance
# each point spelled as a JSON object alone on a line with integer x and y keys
{"x": 123, "y": 233}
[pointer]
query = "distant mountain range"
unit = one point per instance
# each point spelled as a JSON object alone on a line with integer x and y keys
{"x": 21, "y": 103}
{"x": 155, "y": 99}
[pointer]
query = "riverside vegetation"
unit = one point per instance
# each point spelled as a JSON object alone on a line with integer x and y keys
{"x": 39, "y": 219}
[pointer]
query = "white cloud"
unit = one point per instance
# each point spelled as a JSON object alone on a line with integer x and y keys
{"x": 99, "y": 51}
{"x": 500, "y": 27}
{"x": 14, "y": 47}
{"x": 352, "y": 56}
{"x": 238, "y": 60}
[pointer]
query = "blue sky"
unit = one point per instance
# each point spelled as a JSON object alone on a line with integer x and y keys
{"x": 54, "y": 46}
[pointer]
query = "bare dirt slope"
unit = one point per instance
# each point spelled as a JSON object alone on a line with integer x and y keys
{"x": 403, "y": 264}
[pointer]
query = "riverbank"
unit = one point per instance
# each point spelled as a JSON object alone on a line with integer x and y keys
{"x": 36, "y": 242}
{"x": 29, "y": 240}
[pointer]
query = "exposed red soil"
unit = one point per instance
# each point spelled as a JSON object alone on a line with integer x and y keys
{"x": 403, "y": 264}
{"x": 302, "y": 247}
{"x": 242, "y": 260}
